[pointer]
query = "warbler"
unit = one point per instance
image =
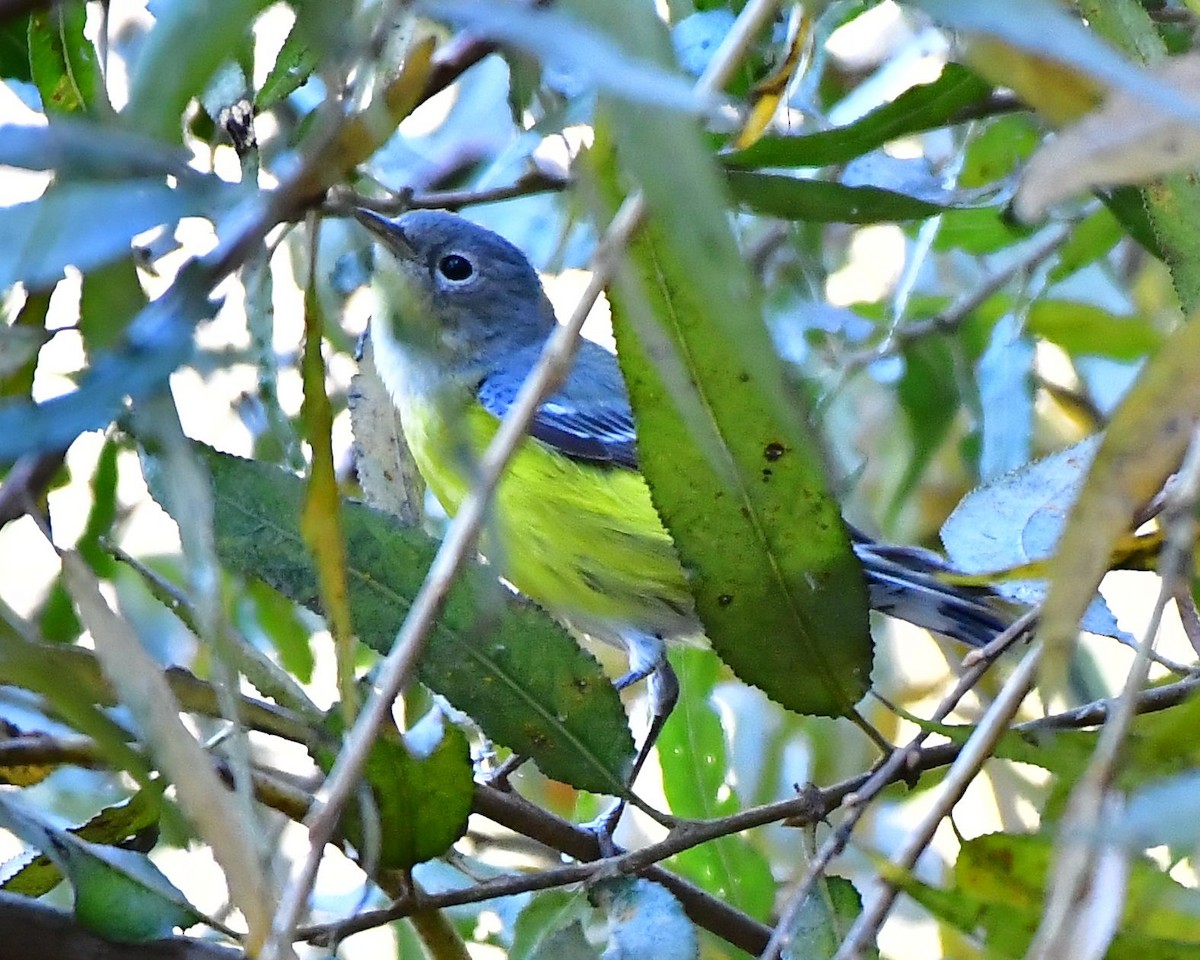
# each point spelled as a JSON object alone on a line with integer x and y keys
{"x": 460, "y": 320}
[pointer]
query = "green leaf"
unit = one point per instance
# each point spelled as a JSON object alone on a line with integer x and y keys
{"x": 1091, "y": 239}
{"x": 83, "y": 149}
{"x": 545, "y": 915}
{"x": 88, "y": 224}
{"x": 759, "y": 569}
{"x": 695, "y": 770}
{"x": 823, "y": 920}
{"x": 723, "y": 441}
{"x": 554, "y": 36}
{"x": 751, "y": 541}
{"x": 999, "y": 150}
{"x": 276, "y": 617}
{"x": 111, "y": 297}
{"x": 112, "y": 825}
{"x": 1084, "y": 329}
{"x": 294, "y": 64}
{"x": 1011, "y": 870}
{"x": 922, "y": 107}
{"x": 818, "y": 201}
{"x": 159, "y": 340}
{"x": 119, "y": 894}
{"x": 14, "y": 48}
{"x": 1128, "y": 205}
{"x": 520, "y": 676}
{"x": 423, "y": 785}
{"x": 62, "y": 60}
{"x": 189, "y": 41}
{"x": 977, "y": 232}
{"x": 999, "y": 894}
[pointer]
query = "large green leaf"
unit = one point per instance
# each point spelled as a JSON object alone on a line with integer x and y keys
{"x": 506, "y": 664}
{"x": 423, "y": 784}
{"x": 923, "y": 107}
{"x": 819, "y": 201}
{"x": 87, "y": 224}
{"x": 724, "y": 443}
{"x": 85, "y": 149}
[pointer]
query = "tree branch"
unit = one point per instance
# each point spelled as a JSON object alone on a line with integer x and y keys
{"x": 34, "y": 929}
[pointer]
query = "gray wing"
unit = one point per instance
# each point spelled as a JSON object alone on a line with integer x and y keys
{"x": 588, "y": 418}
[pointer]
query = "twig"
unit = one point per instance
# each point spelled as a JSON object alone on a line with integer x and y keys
{"x": 26, "y": 482}
{"x": 532, "y": 182}
{"x": 952, "y": 317}
{"x": 1079, "y": 853}
{"x": 887, "y": 772}
{"x": 1189, "y": 617}
{"x": 394, "y": 672}
{"x": 528, "y": 820}
{"x": 975, "y": 752}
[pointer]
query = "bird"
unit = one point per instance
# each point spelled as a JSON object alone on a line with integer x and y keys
{"x": 460, "y": 319}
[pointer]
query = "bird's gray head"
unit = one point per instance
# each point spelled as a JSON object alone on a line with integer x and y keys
{"x": 451, "y": 285}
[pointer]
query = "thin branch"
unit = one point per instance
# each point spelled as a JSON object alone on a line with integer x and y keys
{"x": 513, "y": 812}
{"x": 975, "y": 752}
{"x": 888, "y": 771}
{"x": 957, "y": 313}
{"x": 809, "y": 807}
{"x": 532, "y": 182}
{"x": 44, "y": 750}
{"x": 1079, "y": 854}
{"x": 25, "y": 483}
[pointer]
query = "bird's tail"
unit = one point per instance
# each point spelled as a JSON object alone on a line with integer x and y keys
{"x": 904, "y": 583}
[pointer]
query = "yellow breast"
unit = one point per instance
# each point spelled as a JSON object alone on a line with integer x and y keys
{"x": 582, "y": 540}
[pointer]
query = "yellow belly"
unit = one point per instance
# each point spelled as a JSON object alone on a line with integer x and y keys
{"x": 582, "y": 540}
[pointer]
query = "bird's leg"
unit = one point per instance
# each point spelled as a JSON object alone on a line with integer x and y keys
{"x": 647, "y": 661}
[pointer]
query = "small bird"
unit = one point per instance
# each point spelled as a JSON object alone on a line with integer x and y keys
{"x": 459, "y": 322}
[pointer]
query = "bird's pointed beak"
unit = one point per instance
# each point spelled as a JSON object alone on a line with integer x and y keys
{"x": 387, "y": 231}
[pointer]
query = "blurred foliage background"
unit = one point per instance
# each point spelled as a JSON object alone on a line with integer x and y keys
{"x": 969, "y": 230}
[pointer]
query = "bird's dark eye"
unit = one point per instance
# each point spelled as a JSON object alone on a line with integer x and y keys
{"x": 455, "y": 267}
